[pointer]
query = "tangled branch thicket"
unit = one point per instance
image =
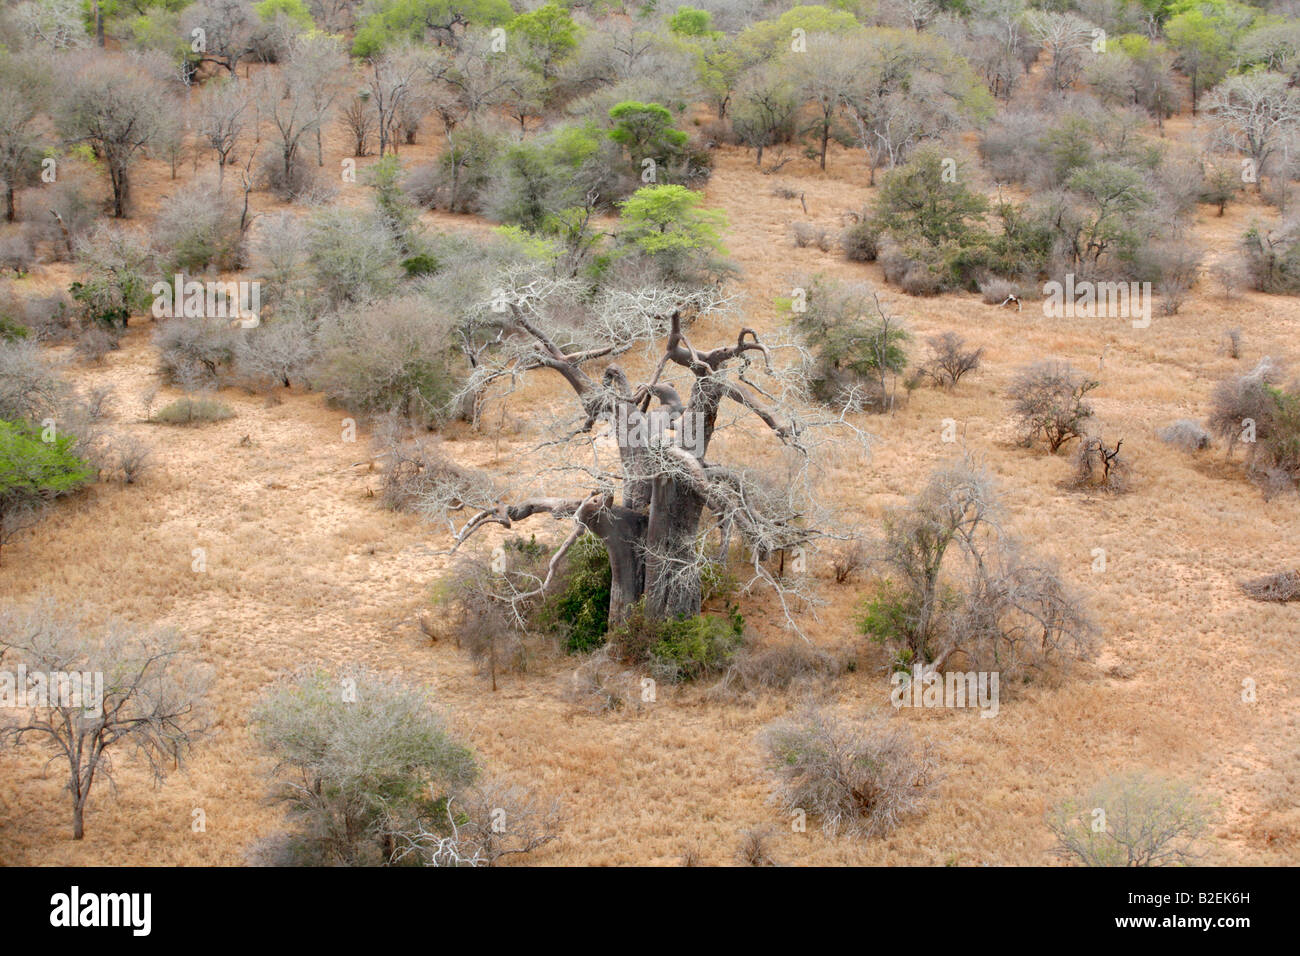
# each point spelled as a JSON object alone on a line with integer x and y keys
{"x": 860, "y": 779}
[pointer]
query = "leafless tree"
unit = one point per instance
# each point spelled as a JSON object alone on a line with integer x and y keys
{"x": 950, "y": 359}
{"x": 1067, "y": 39}
{"x": 222, "y": 110}
{"x": 908, "y": 89}
{"x": 298, "y": 102}
{"x": 114, "y": 105}
{"x": 394, "y": 78}
{"x": 824, "y": 78}
{"x": 150, "y": 701}
{"x": 962, "y": 585}
{"x": 1049, "y": 402}
{"x": 1255, "y": 114}
{"x": 360, "y": 120}
{"x": 229, "y": 32}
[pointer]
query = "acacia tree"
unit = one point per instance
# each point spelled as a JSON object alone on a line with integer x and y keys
{"x": 112, "y": 104}
{"x": 144, "y": 697}
{"x": 646, "y": 478}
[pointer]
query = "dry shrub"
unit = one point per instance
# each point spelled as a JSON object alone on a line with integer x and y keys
{"x": 1281, "y": 587}
{"x": 94, "y": 343}
{"x": 1258, "y": 411}
{"x": 417, "y": 472}
{"x": 1101, "y": 468}
{"x": 995, "y": 291}
{"x": 17, "y": 252}
{"x": 809, "y": 234}
{"x": 130, "y": 458}
{"x": 1185, "y": 434}
{"x": 295, "y": 184}
{"x": 192, "y": 411}
{"x": 793, "y": 664}
{"x": 847, "y": 559}
{"x": 30, "y": 387}
{"x": 1145, "y": 821}
{"x": 860, "y": 779}
{"x": 861, "y": 241}
{"x": 493, "y": 820}
{"x": 1272, "y": 259}
{"x": 391, "y": 356}
{"x": 1232, "y": 342}
{"x": 950, "y": 359}
{"x": 601, "y": 684}
{"x": 1174, "y": 268}
{"x": 753, "y": 849}
{"x": 196, "y": 352}
{"x": 488, "y": 612}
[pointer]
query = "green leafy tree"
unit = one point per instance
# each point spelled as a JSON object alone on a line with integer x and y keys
{"x": 420, "y": 20}
{"x": 549, "y": 35}
{"x": 34, "y": 471}
{"x": 1203, "y": 46}
{"x": 928, "y": 198}
{"x": 768, "y": 38}
{"x": 646, "y": 131}
{"x": 666, "y": 225}
{"x": 295, "y": 11}
{"x": 690, "y": 22}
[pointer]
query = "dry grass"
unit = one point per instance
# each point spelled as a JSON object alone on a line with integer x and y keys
{"x": 304, "y": 565}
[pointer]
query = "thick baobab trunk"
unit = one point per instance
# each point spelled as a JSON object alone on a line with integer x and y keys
{"x": 672, "y": 578}
{"x": 623, "y": 532}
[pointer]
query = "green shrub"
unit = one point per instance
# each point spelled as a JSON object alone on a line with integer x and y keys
{"x": 581, "y": 606}
{"x": 691, "y": 647}
{"x": 889, "y": 616}
{"x": 11, "y": 330}
{"x": 421, "y": 264}
{"x": 187, "y": 411}
{"x": 33, "y": 470}
{"x": 861, "y": 241}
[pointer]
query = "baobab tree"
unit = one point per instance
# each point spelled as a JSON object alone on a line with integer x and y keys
{"x": 637, "y": 467}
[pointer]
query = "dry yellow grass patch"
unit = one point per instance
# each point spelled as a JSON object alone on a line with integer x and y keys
{"x": 304, "y": 566}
